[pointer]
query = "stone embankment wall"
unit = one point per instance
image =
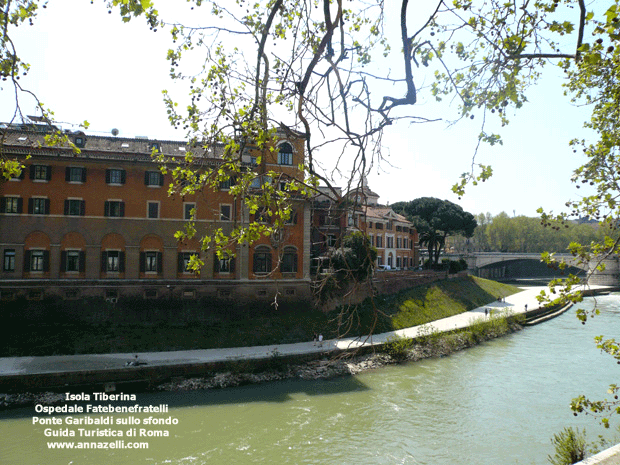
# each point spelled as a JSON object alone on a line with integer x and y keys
{"x": 609, "y": 456}
{"x": 387, "y": 283}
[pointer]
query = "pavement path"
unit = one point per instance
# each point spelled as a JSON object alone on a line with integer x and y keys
{"x": 92, "y": 362}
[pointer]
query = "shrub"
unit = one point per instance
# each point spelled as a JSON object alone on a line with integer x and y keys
{"x": 398, "y": 347}
{"x": 494, "y": 325}
{"x": 427, "y": 334}
{"x": 570, "y": 447}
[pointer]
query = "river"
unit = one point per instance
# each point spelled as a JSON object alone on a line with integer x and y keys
{"x": 497, "y": 403}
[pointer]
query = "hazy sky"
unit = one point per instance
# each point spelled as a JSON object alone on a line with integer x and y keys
{"x": 88, "y": 65}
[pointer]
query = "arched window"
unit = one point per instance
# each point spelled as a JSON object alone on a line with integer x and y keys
{"x": 262, "y": 259}
{"x": 285, "y": 154}
{"x": 289, "y": 260}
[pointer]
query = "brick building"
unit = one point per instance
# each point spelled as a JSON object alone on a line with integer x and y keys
{"x": 101, "y": 223}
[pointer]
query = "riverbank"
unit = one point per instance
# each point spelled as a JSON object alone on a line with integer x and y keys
{"x": 39, "y": 328}
{"x": 129, "y": 372}
{"x": 240, "y": 373}
{"x": 434, "y": 344}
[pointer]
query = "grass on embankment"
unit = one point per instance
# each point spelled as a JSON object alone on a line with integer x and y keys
{"x": 52, "y": 332}
{"x": 435, "y": 301}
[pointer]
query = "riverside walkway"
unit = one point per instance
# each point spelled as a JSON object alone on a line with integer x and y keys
{"x": 14, "y": 368}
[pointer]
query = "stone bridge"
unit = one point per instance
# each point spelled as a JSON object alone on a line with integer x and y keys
{"x": 489, "y": 265}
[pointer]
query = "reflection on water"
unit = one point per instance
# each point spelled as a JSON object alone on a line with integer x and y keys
{"x": 498, "y": 403}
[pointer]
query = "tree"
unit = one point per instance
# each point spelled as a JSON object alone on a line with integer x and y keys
{"x": 314, "y": 68}
{"x": 435, "y": 220}
{"x": 355, "y": 260}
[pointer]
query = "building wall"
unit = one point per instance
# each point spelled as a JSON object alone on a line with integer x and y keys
{"x": 400, "y": 242}
{"x": 71, "y": 225}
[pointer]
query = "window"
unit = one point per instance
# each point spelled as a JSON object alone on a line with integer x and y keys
{"x": 187, "y": 210}
{"x": 225, "y": 212}
{"x": 183, "y": 261}
{"x": 72, "y": 261}
{"x": 224, "y": 293}
{"x": 9, "y": 260}
{"x": 350, "y": 219}
{"x": 292, "y": 219}
{"x": 262, "y": 260}
{"x": 225, "y": 185}
{"x": 153, "y": 178}
{"x": 380, "y": 241}
{"x": 285, "y": 155}
{"x": 329, "y": 220}
{"x": 114, "y": 208}
{"x": 113, "y": 261}
{"x": 224, "y": 264}
{"x": 11, "y": 204}
{"x": 37, "y": 260}
{"x": 35, "y": 295}
{"x": 398, "y": 262}
{"x": 115, "y": 176}
{"x": 370, "y": 225}
{"x": 289, "y": 260}
{"x": 390, "y": 242}
{"x": 260, "y": 181}
{"x": 379, "y": 225}
{"x": 253, "y": 161}
{"x": 152, "y": 210}
{"x": 72, "y": 294}
{"x": 150, "y": 294}
{"x": 75, "y": 174}
{"x": 331, "y": 240}
{"x": 154, "y": 147}
{"x": 75, "y": 207}
{"x": 38, "y": 206}
{"x": 40, "y": 172}
{"x": 151, "y": 262}
{"x": 79, "y": 141}
{"x": 262, "y": 215}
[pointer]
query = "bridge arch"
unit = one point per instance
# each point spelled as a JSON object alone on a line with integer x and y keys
{"x": 525, "y": 268}
{"x": 496, "y": 265}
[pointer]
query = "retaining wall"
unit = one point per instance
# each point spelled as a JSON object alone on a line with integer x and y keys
{"x": 610, "y": 456}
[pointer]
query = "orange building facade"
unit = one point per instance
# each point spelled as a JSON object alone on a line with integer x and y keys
{"x": 101, "y": 223}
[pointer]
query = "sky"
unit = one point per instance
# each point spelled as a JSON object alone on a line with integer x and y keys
{"x": 88, "y": 65}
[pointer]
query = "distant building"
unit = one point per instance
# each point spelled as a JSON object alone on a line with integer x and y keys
{"x": 394, "y": 237}
{"x": 328, "y": 224}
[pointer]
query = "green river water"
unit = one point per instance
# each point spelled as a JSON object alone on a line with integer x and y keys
{"x": 498, "y": 403}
